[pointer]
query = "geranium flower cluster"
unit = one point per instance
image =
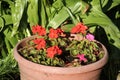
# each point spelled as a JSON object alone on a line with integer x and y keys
{"x": 53, "y": 34}
{"x": 41, "y": 43}
{"x": 58, "y": 48}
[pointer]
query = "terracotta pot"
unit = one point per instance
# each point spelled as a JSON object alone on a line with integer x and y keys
{"x": 33, "y": 71}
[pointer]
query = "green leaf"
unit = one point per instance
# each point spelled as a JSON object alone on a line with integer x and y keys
{"x": 58, "y": 4}
{"x": 75, "y": 21}
{"x": 0, "y": 8}
{"x": 67, "y": 27}
{"x": 58, "y": 19}
{"x": 17, "y": 12}
{"x": 1, "y": 23}
{"x": 104, "y": 3}
{"x": 74, "y": 6}
{"x": 43, "y": 14}
{"x": 8, "y": 46}
{"x": 3, "y": 52}
{"x": 8, "y": 65}
{"x": 109, "y": 4}
{"x": 114, "y": 3}
{"x": 32, "y": 12}
{"x": 97, "y": 17}
{"x": 12, "y": 40}
{"x": 7, "y": 19}
{"x": 96, "y": 4}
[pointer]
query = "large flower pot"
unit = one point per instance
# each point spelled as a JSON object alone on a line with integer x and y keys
{"x": 33, "y": 71}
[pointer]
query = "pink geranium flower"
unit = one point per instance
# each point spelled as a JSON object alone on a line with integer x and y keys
{"x": 90, "y": 37}
{"x": 82, "y": 57}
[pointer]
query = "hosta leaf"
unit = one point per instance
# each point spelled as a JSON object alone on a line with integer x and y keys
{"x": 0, "y": 8}
{"x": 77, "y": 6}
{"x": 75, "y": 21}
{"x": 7, "y": 19}
{"x": 96, "y": 4}
{"x": 43, "y": 13}
{"x": 74, "y": 6}
{"x": 17, "y": 12}
{"x": 114, "y": 3}
{"x": 58, "y": 19}
{"x": 58, "y": 4}
{"x": 11, "y": 40}
{"x": 3, "y": 52}
{"x": 104, "y": 2}
{"x": 109, "y": 4}
{"x": 1, "y": 23}
{"x": 8, "y": 46}
{"x": 97, "y": 17}
{"x": 32, "y": 12}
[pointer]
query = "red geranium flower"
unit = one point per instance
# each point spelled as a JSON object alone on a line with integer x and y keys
{"x": 39, "y": 30}
{"x": 40, "y": 43}
{"x": 53, "y": 33}
{"x": 51, "y": 51}
{"x": 42, "y": 32}
{"x": 35, "y": 29}
{"x": 80, "y": 27}
{"x": 60, "y": 31}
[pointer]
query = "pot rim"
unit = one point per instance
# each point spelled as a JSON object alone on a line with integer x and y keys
{"x": 59, "y": 70}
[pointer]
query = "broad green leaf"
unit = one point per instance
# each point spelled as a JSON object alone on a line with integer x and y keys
{"x": 58, "y": 19}
{"x": 12, "y": 40}
{"x": 43, "y": 13}
{"x": 17, "y": 12}
{"x": 74, "y": 6}
{"x": 114, "y": 3}
{"x": 8, "y": 46}
{"x": 24, "y": 28}
{"x": 104, "y": 3}
{"x": 58, "y": 4}
{"x": 32, "y": 12}
{"x": 67, "y": 27}
{"x": 97, "y": 17}
{"x": 75, "y": 21}
{"x": 77, "y": 6}
{"x": 96, "y": 4}
{"x": 7, "y": 19}
{"x": 117, "y": 16}
{"x": 1, "y": 23}
{"x": 4, "y": 54}
{"x": 109, "y": 4}
{"x": 0, "y": 8}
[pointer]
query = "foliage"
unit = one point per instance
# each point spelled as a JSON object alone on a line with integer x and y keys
{"x": 103, "y": 17}
{"x": 8, "y": 25}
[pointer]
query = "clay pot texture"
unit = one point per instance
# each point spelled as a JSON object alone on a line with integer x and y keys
{"x": 34, "y": 71}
